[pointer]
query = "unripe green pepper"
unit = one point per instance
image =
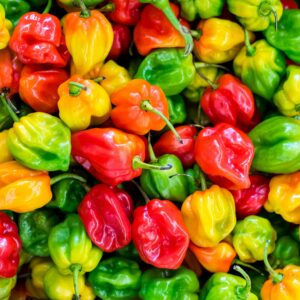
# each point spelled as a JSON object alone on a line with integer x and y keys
{"x": 6, "y": 285}
{"x": 116, "y": 278}
{"x": 15, "y": 9}
{"x": 177, "y": 109}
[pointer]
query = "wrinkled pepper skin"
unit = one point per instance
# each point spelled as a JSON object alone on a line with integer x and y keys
{"x": 250, "y": 237}
{"x": 6, "y": 285}
{"x": 41, "y": 142}
{"x": 107, "y": 153}
{"x": 21, "y": 189}
{"x": 159, "y": 234}
{"x": 116, "y": 278}
{"x": 10, "y": 246}
{"x": 169, "y": 284}
{"x": 285, "y": 38}
{"x": 70, "y": 245}
{"x": 5, "y": 154}
{"x": 285, "y": 97}
{"x": 284, "y": 190}
{"x": 34, "y": 229}
{"x": 170, "y": 69}
{"x": 209, "y": 216}
{"x": 276, "y": 143}
{"x": 256, "y": 15}
{"x": 14, "y": 9}
{"x": 95, "y": 35}
{"x": 232, "y": 152}
{"x": 96, "y": 211}
{"x": 260, "y": 70}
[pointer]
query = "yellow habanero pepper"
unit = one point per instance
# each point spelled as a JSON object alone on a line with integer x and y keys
{"x": 5, "y": 154}
{"x": 220, "y": 40}
{"x": 82, "y": 103}
{"x": 283, "y": 197}
{"x": 209, "y": 215}
{"x": 89, "y": 37}
{"x": 23, "y": 189}
{"x": 5, "y": 27}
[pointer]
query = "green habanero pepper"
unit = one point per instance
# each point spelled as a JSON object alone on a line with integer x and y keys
{"x": 129, "y": 252}
{"x": 286, "y": 38}
{"x": 286, "y": 252}
{"x": 14, "y": 9}
{"x": 37, "y": 4}
{"x": 286, "y": 97}
{"x": 169, "y": 284}
{"x": 39, "y": 140}
{"x": 6, "y": 285}
{"x": 116, "y": 278}
{"x": 191, "y": 9}
{"x": 34, "y": 229}
{"x": 71, "y": 4}
{"x": 250, "y": 236}
{"x": 72, "y": 250}
{"x": 257, "y": 281}
{"x": 260, "y": 66}
{"x": 177, "y": 109}
{"x": 277, "y": 145}
{"x": 228, "y": 287}
{"x": 170, "y": 69}
{"x": 195, "y": 178}
{"x": 162, "y": 184}
{"x": 256, "y": 15}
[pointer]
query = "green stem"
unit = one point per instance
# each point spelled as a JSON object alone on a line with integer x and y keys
{"x": 76, "y": 268}
{"x": 152, "y": 155}
{"x": 276, "y": 277}
{"x": 211, "y": 84}
{"x": 146, "y": 106}
{"x": 202, "y": 180}
{"x": 241, "y": 263}
{"x": 109, "y": 7}
{"x": 247, "y": 287}
{"x": 75, "y": 88}
{"x": 250, "y": 50}
{"x": 85, "y": 13}
{"x": 145, "y": 196}
{"x": 12, "y": 114}
{"x": 138, "y": 164}
{"x": 200, "y": 64}
{"x": 48, "y": 7}
{"x": 60, "y": 177}
{"x": 196, "y": 34}
{"x": 99, "y": 79}
{"x": 265, "y": 9}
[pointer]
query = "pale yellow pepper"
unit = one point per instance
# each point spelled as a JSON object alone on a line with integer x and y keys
{"x": 5, "y": 27}
{"x": 5, "y": 154}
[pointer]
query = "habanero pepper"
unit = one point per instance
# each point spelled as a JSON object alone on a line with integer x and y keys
{"x": 71, "y": 5}
{"x": 177, "y": 109}
{"x": 6, "y": 286}
{"x": 5, "y": 27}
{"x": 5, "y": 154}
{"x": 289, "y": 4}
{"x": 14, "y": 9}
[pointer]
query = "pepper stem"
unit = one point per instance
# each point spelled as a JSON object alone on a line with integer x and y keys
{"x": 85, "y": 13}
{"x": 211, "y": 84}
{"x": 11, "y": 112}
{"x": 99, "y": 79}
{"x": 60, "y": 177}
{"x": 241, "y": 263}
{"x": 145, "y": 196}
{"x": 138, "y": 164}
{"x": 265, "y": 9}
{"x": 76, "y": 268}
{"x": 276, "y": 277}
{"x": 250, "y": 50}
{"x": 75, "y": 88}
{"x": 109, "y": 7}
{"x": 200, "y": 64}
{"x": 247, "y": 287}
{"x": 152, "y": 155}
{"x": 196, "y": 34}
{"x": 202, "y": 180}
{"x": 146, "y": 106}
{"x": 48, "y": 7}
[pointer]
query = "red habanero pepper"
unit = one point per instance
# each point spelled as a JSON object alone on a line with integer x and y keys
{"x": 38, "y": 87}
{"x": 121, "y": 42}
{"x": 251, "y": 200}
{"x": 228, "y": 101}
{"x": 168, "y": 144}
{"x": 225, "y": 154}
{"x": 159, "y": 234}
{"x": 289, "y": 4}
{"x": 126, "y": 12}
{"x": 154, "y": 30}
{"x": 10, "y": 246}
{"x": 105, "y": 219}
{"x": 37, "y": 39}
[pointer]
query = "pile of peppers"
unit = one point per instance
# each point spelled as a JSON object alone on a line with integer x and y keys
{"x": 150, "y": 149}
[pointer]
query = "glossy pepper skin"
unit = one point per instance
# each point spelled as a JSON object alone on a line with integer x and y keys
{"x": 116, "y": 278}
{"x": 177, "y": 109}
{"x": 34, "y": 229}
{"x": 284, "y": 190}
{"x": 209, "y": 216}
{"x": 108, "y": 153}
{"x": 256, "y": 15}
{"x": 22, "y": 189}
{"x": 220, "y": 40}
{"x": 6, "y": 285}
{"x": 96, "y": 37}
{"x": 285, "y": 97}
{"x": 129, "y": 102}
{"x": 250, "y": 201}
{"x": 168, "y": 143}
{"x": 10, "y": 246}
{"x": 154, "y": 30}
{"x": 276, "y": 145}
{"x": 159, "y": 234}
{"x": 158, "y": 283}
{"x": 261, "y": 67}
{"x": 38, "y": 39}
{"x": 230, "y": 101}
{"x": 5, "y": 27}
{"x": 250, "y": 236}
{"x": 170, "y": 69}
{"x": 38, "y": 87}
{"x": 5, "y": 154}
{"x": 232, "y": 152}
{"x": 82, "y": 106}
{"x": 14, "y": 9}
{"x": 286, "y": 38}
{"x": 96, "y": 211}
